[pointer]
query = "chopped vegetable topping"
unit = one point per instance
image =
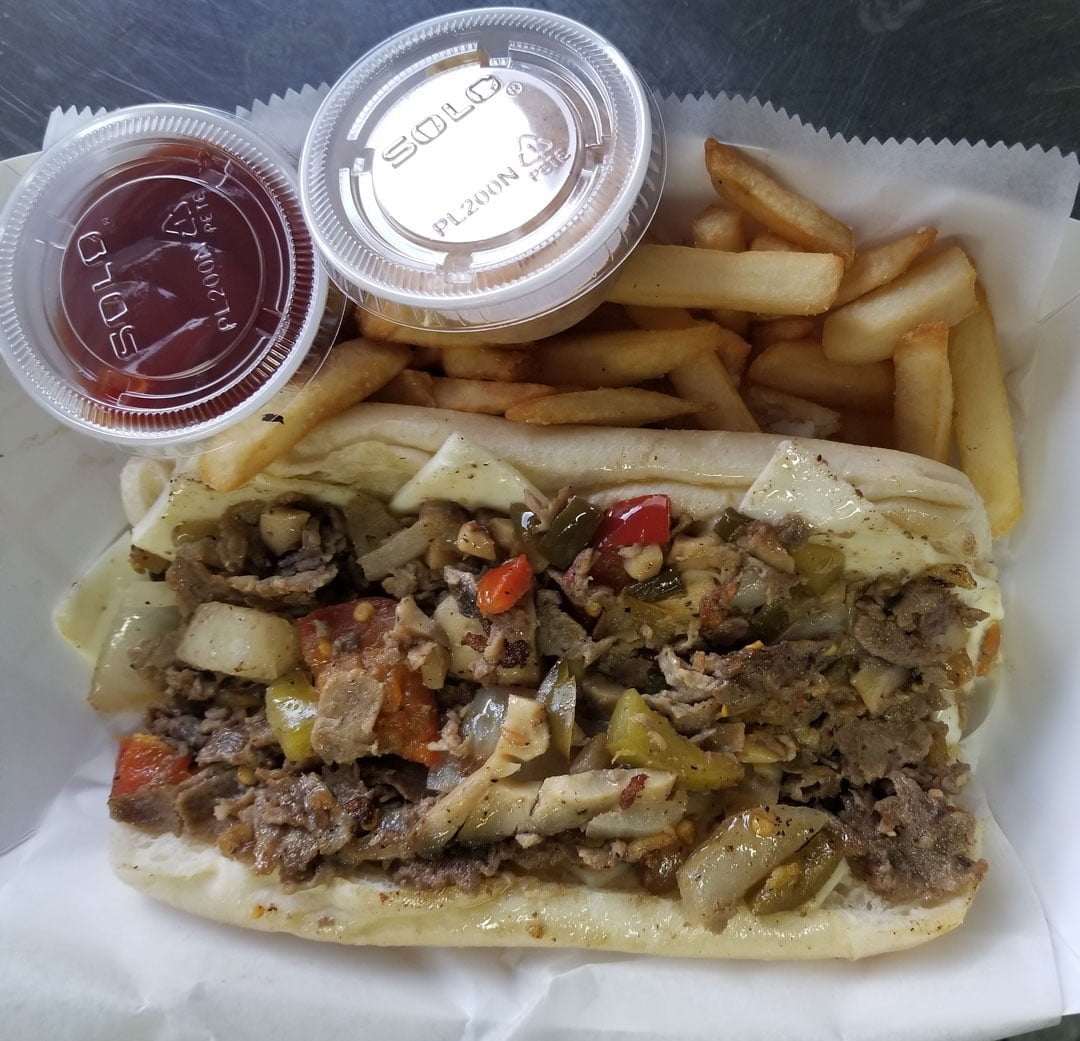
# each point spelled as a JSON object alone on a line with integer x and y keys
{"x": 645, "y": 520}
{"x": 502, "y": 587}
{"x": 291, "y": 705}
{"x": 144, "y": 760}
{"x": 641, "y": 737}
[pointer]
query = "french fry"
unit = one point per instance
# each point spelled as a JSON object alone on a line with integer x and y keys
{"x": 801, "y": 368}
{"x": 376, "y": 327}
{"x": 706, "y": 381}
{"x": 622, "y": 407}
{"x": 777, "y": 330}
{"x": 941, "y": 289}
{"x": 718, "y": 227}
{"x": 880, "y": 265}
{"x": 731, "y": 348}
{"x": 484, "y": 396}
{"x": 781, "y": 210}
{"x": 620, "y": 359}
{"x": 661, "y": 317}
{"x": 737, "y": 321}
{"x": 773, "y": 283}
{"x": 984, "y": 433}
{"x": 770, "y": 243}
{"x": 923, "y": 398}
{"x": 733, "y": 351}
{"x": 488, "y": 363}
{"x": 351, "y": 372}
{"x": 407, "y": 388}
{"x": 866, "y": 428}
{"x": 780, "y": 413}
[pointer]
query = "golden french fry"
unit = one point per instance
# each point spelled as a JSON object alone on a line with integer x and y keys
{"x": 705, "y": 381}
{"x": 984, "y": 433}
{"x": 880, "y": 265}
{"x": 923, "y": 398}
{"x": 407, "y": 388}
{"x": 661, "y": 317}
{"x": 801, "y": 368}
{"x": 774, "y": 283}
{"x": 485, "y": 396}
{"x": 351, "y": 372}
{"x": 620, "y": 359}
{"x": 737, "y": 321}
{"x": 378, "y": 327}
{"x": 621, "y": 407}
{"x": 770, "y": 243}
{"x": 780, "y": 413}
{"x": 941, "y": 289}
{"x": 781, "y": 210}
{"x": 488, "y": 363}
{"x": 777, "y": 330}
{"x": 866, "y": 428}
{"x": 718, "y": 227}
{"x": 733, "y": 351}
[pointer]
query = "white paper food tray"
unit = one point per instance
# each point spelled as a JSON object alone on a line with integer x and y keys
{"x": 82, "y": 956}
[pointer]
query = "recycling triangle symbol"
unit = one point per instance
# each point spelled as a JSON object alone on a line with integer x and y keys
{"x": 180, "y": 221}
{"x": 532, "y": 149}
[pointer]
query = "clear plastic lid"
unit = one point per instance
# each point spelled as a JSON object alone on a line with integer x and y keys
{"x": 482, "y": 169}
{"x": 157, "y": 279}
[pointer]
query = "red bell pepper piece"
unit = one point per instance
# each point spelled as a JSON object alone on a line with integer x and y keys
{"x": 645, "y": 520}
{"x": 344, "y": 634}
{"x": 353, "y": 636}
{"x": 144, "y": 759}
{"x": 409, "y": 719}
{"x": 500, "y": 588}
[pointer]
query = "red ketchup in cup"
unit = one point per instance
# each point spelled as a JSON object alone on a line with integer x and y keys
{"x": 157, "y": 280}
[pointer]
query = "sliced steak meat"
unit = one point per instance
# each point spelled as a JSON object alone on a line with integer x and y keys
{"x": 414, "y": 579}
{"x": 248, "y": 742}
{"x": 287, "y": 824}
{"x": 462, "y": 871}
{"x": 741, "y": 680}
{"x": 912, "y": 845}
{"x": 295, "y": 590}
{"x": 322, "y": 540}
{"x": 873, "y": 747}
{"x": 349, "y": 704}
{"x": 150, "y": 809}
{"x": 915, "y": 625}
{"x": 197, "y": 799}
{"x": 194, "y": 583}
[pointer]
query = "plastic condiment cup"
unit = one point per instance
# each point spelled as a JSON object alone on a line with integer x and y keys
{"x": 157, "y": 279}
{"x": 484, "y": 171}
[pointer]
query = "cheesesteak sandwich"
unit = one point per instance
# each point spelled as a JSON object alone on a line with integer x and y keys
{"x": 432, "y": 679}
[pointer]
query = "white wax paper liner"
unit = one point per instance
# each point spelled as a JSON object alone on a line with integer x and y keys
{"x": 83, "y": 956}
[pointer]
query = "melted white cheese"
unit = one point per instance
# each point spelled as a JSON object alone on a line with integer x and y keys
{"x": 84, "y": 616}
{"x": 465, "y": 473}
{"x": 186, "y": 500}
{"x": 797, "y": 481}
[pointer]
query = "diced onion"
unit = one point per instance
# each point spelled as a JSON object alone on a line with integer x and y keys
{"x": 146, "y": 609}
{"x": 742, "y": 852}
{"x": 240, "y": 641}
